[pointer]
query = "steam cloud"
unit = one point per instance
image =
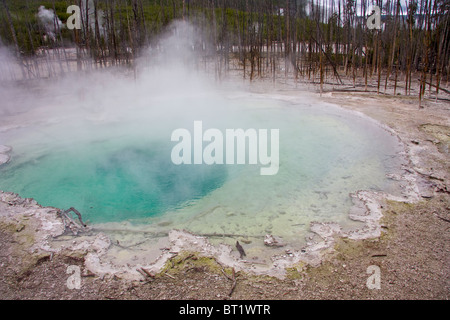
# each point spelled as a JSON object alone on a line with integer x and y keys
{"x": 167, "y": 77}
{"x": 91, "y": 16}
{"x": 49, "y": 21}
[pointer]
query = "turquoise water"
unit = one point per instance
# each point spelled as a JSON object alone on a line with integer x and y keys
{"x": 115, "y": 169}
{"x": 110, "y": 184}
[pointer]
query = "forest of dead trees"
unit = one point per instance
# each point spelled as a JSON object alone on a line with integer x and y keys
{"x": 323, "y": 41}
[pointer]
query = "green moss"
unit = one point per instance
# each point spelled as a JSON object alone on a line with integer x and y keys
{"x": 21, "y": 232}
{"x": 440, "y": 132}
{"x": 8, "y": 227}
{"x": 23, "y": 238}
{"x": 296, "y": 271}
{"x": 346, "y": 248}
{"x": 186, "y": 259}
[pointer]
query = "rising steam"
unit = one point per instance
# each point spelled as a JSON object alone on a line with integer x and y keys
{"x": 50, "y": 22}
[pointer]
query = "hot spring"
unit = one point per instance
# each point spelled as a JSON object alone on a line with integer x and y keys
{"x": 109, "y": 156}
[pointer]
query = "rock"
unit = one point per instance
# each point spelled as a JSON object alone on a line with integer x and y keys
{"x": 272, "y": 241}
{"x": 240, "y": 249}
{"x": 325, "y": 230}
{"x": 4, "y": 158}
{"x": 5, "y": 149}
{"x": 393, "y": 176}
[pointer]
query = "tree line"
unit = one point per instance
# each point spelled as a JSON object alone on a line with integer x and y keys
{"x": 324, "y": 41}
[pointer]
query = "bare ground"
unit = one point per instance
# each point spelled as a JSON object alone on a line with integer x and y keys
{"x": 412, "y": 254}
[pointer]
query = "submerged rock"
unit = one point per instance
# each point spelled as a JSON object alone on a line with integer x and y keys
{"x": 164, "y": 223}
{"x": 4, "y": 158}
{"x": 5, "y": 149}
{"x": 272, "y": 241}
